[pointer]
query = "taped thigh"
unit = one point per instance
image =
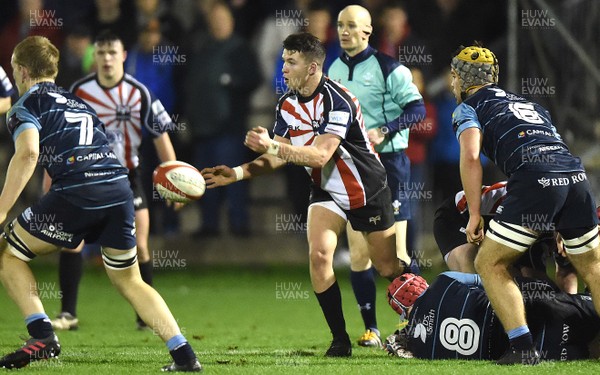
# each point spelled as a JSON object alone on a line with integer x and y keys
{"x": 16, "y": 245}
{"x": 121, "y": 261}
{"x": 514, "y": 236}
{"x": 582, "y": 244}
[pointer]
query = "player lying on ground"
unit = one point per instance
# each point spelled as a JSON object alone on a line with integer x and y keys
{"x": 89, "y": 199}
{"x": 453, "y": 319}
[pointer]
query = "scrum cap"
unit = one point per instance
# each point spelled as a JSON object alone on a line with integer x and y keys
{"x": 404, "y": 291}
{"x": 475, "y": 66}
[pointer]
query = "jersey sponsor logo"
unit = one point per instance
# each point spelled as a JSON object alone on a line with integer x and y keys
{"x": 123, "y": 112}
{"x": 339, "y": 117}
{"x": 562, "y": 181}
{"x": 425, "y": 327}
{"x": 91, "y": 156}
{"x": 460, "y": 335}
{"x": 59, "y": 99}
{"x": 98, "y": 174}
{"x": 420, "y": 332}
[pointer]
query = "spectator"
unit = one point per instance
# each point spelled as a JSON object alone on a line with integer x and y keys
{"x": 31, "y": 19}
{"x": 76, "y": 56}
{"x": 222, "y": 73}
{"x": 114, "y": 15}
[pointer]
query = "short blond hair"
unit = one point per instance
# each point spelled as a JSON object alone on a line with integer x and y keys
{"x": 38, "y": 55}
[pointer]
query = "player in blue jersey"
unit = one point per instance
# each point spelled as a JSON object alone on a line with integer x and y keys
{"x": 547, "y": 189}
{"x": 89, "y": 199}
{"x": 391, "y": 104}
{"x": 6, "y": 90}
{"x": 453, "y": 319}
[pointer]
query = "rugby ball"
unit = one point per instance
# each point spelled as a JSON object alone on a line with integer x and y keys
{"x": 178, "y": 181}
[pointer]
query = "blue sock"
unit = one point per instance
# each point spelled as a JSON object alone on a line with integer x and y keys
{"x": 520, "y": 338}
{"x": 363, "y": 285}
{"x": 176, "y": 341}
{"x": 180, "y": 350}
{"x": 39, "y": 326}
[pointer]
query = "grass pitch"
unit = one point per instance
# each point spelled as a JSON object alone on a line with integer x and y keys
{"x": 239, "y": 321}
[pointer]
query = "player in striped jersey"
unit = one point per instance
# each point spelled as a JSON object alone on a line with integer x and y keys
{"x": 547, "y": 189}
{"x": 451, "y": 219}
{"x": 89, "y": 199}
{"x": 6, "y": 90}
{"x": 130, "y": 112}
{"x": 319, "y": 126}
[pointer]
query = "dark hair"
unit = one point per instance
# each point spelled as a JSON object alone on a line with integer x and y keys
{"x": 107, "y": 36}
{"x": 307, "y": 44}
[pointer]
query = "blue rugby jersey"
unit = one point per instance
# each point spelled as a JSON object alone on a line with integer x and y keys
{"x": 454, "y": 320}
{"x": 74, "y": 149}
{"x": 517, "y": 134}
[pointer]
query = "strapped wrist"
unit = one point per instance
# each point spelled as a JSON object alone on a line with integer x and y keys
{"x": 239, "y": 173}
{"x": 273, "y": 148}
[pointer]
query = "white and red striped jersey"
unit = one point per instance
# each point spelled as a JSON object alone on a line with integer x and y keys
{"x": 128, "y": 110}
{"x": 354, "y": 173}
{"x": 491, "y": 198}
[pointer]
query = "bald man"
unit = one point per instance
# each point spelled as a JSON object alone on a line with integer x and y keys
{"x": 391, "y": 104}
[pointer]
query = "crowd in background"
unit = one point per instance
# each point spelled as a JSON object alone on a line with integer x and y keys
{"x": 215, "y": 65}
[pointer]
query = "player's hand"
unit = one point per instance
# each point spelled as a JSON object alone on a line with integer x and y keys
{"x": 3, "y": 217}
{"x": 221, "y": 175}
{"x": 375, "y": 136}
{"x": 474, "y": 230}
{"x": 258, "y": 140}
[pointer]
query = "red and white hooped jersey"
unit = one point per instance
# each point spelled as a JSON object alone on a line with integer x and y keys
{"x": 354, "y": 174}
{"x": 128, "y": 110}
{"x": 491, "y": 197}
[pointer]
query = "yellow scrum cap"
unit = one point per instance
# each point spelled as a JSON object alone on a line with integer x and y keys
{"x": 475, "y": 66}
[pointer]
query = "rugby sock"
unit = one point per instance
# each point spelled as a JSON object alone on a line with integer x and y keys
{"x": 331, "y": 305}
{"x": 39, "y": 326}
{"x": 146, "y": 271}
{"x": 363, "y": 284}
{"x": 70, "y": 267}
{"x": 180, "y": 350}
{"x": 520, "y": 338}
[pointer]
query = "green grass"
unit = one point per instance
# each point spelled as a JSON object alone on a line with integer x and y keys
{"x": 235, "y": 322}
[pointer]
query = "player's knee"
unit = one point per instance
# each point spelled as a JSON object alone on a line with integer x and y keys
{"x": 319, "y": 255}
{"x": 15, "y": 246}
{"x": 119, "y": 261}
{"x": 580, "y": 241}
{"x": 482, "y": 265}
